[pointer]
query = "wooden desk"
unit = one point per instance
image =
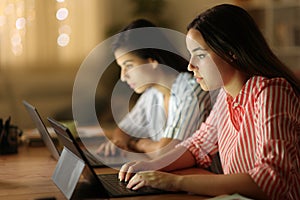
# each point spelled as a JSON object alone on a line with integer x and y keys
{"x": 27, "y": 176}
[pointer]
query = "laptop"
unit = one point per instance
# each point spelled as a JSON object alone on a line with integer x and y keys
{"x": 107, "y": 184}
{"x": 42, "y": 129}
{"x": 55, "y": 150}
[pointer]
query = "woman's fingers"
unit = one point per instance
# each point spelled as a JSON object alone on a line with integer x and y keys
{"x": 129, "y": 169}
{"x": 107, "y": 149}
{"x": 155, "y": 179}
{"x": 125, "y": 171}
{"x": 112, "y": 149}
{"x": 136, "y": 182}
{"x": 129, "y": 173}
{"x": 100, "y": 148}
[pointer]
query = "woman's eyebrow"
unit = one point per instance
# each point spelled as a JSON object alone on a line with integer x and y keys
{"x": 197, "y": 49}
{"x": 126, "y": 61}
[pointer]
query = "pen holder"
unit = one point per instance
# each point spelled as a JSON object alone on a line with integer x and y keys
{"x": 9, "y": 135}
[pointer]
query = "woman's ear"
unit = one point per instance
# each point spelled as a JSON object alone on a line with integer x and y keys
{"x": 232, "y": 56}
{"x": 153, "y": 62}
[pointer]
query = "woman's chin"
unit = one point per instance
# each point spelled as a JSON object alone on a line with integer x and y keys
{"x": 142, "y": 89}
{"x": 204, "y": 87}
{"x": 207, "y": 88}
{"x": 139, "y": 90}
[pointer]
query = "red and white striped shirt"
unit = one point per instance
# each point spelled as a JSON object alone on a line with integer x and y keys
{"x": 258, "y": 133}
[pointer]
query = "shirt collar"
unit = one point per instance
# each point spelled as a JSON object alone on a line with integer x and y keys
{"x": 246, "y": 92}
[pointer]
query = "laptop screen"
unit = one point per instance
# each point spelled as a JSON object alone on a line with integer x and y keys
{"x": 36, "y": 118}
{"x": 67, "y": 139}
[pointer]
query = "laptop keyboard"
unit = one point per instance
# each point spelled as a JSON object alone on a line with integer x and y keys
{"x": 118, "y": 188}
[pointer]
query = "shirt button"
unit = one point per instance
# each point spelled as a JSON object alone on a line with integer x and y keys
{"x": 235, "y": 105}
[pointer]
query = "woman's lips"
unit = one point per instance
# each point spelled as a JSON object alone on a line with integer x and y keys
{"x": 198, "y": 79}
{"x": 131, "y": 85}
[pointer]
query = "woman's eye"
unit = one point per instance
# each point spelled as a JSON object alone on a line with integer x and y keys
{"x": 201, "y": 56}
{"x": 129, "y": 66}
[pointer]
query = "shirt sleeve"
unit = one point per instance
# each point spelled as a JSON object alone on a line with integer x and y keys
{"x": 203, "y": 144}
{"x": 277, "y": 167}
{"x": 193, "y": 107}
{"x": 135, "y": 122}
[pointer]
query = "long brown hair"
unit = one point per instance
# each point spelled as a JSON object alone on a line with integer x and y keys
{"x": 171, "y": 58}
{"x": 233, "y": 35}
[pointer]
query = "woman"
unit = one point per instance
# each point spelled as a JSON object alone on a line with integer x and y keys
{"x": 254, "y": 124}
{"x": 171, "y": 104}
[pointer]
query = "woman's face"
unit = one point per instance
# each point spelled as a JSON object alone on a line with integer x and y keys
{"x": 210, "y": 71}
{"x": 137, "y": 72}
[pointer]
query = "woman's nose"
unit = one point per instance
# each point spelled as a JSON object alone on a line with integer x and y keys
{"x": 191, "y": 67}
{"x": 124, "y": 75}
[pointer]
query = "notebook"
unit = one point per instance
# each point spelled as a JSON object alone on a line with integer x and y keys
{"x": 55, "y": 150}
{"x": 107, "y": 184}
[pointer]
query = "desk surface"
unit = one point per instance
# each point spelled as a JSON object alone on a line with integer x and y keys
{"x": 27, "y": 175}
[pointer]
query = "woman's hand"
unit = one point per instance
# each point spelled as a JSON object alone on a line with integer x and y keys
{"x": 118, "y": 139}
{"x": 155, "y": 179}
{"x": 107, "y": 149}
{"x": 129, "y": 169}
